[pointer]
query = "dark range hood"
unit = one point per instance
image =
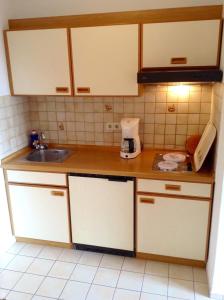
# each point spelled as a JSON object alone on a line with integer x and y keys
{"x": 179, "y": 75}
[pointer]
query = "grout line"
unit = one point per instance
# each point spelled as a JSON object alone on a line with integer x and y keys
{"x": 94, "y": 277}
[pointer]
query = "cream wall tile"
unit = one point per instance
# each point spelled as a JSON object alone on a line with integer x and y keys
{"x": 160, "y": 118}
{"x": 84, "y": 118}
{"x": 159, "y": 129}
{"x": 161, "y": 96}
{"x": 193, "y": 118}
{"x": 150, "y": 108}
{"x": 171, "y": 119}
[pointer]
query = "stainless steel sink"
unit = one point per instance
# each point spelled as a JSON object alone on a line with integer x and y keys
{"x": 48, "y": 155}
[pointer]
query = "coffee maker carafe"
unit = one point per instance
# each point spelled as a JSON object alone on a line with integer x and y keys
{"x": 130, "y": 143}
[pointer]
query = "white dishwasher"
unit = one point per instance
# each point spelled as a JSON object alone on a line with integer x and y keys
{"x": 102, "y": 213}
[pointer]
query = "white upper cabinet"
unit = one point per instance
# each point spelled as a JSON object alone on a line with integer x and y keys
{"x": 39, "y": 62}
{"x": 175, "y": 44}
{"x": 106, "y": 60}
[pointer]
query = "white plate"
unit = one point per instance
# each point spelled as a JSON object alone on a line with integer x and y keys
{"x": 167, "y": 165}
{"x": 176, "y": 157}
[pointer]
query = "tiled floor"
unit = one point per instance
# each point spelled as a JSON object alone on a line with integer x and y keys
{"x": 41, "y": 273}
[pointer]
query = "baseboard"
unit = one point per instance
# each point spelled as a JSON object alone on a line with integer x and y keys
{"x": 171, "y": 259}
{"x": 44, "y": 242}
{"x": 104, "y": 250}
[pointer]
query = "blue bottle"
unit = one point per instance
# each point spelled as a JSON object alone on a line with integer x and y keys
{"x": 34, "y": 138}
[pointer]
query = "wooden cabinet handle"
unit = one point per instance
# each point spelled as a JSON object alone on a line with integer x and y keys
{"x": 178, "y": 60}
{"x": 57, "y": 193}
{"x": 62, "y": 89}
{"x": 147, "y": 200}
{"x": 172, "y": 187}
{"x": 83, "y": 90}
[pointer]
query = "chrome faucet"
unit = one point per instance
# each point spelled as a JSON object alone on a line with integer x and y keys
{"x": 40, "y": 144}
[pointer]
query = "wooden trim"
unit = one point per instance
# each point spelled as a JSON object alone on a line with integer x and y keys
{"x": 63, "y": 89}
{"x": 210, "y": 12}
{"x": 208, "y": 229}
{"x": 47, "y": 186}
{"x": 173, "y": 187}
{"x": 44, "y": 242}
{"x": 147, "y": 200}
{"x": 8, "y": 63}
{"x": 178, "y": 60}
{"x": 219, "y": 43}
{"x": 83, "y": 90}
{"x": 8, "y": 201}
{"x": 170, "y": 259}
{"x": 69, "y": 214}
{"x": 57, "y": 193}
{"x": 178, "y": 197}
{"x": 71, "y": 64}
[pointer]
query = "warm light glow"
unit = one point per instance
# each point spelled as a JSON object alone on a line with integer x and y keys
{"x": 179, "y": 90}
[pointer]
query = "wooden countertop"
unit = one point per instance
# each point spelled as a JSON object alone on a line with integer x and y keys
{"x": 106, "y": 161}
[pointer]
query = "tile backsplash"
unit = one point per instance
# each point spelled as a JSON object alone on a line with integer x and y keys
{"x": 168, "y": 114}
{"x": 14, "y": 124}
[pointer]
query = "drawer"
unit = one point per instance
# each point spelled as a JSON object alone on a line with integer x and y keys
{"x": 37, "y": 178}
{"x": 203, "y": 190}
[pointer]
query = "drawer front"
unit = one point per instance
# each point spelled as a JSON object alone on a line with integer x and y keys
{"x": 174, "y": 188}
{"x": 37, "y": 178}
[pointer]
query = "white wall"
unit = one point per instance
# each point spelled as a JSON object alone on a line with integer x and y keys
{"x": 4, "y": 15}
{"x": 215, "y": 266}
{"x": 42, "y": 8}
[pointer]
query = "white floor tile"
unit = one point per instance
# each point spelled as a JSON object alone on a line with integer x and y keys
{"x": 40, "y": 266}
{"x": 3, "y": 293}
{"x": 200, "y": 275}
{"x": 51, "y": 287}
{"x": 29, "y": 283}
{"x": 107, "y": 277}
{"x": 40, "y": 298}
{"x": 130, "y": 281}
{"x": 16, "y": 247}
{"x": 155, "y": 285}
{"x": 18, "y": 296}
{"x": 20, "y": 263}
{"x": 75, "y": 290}
{"x": 91, "y": 259}
{"x": 5, "y": 258}
{"x": 201, "y": 291}
{"x": 62, "y": 270}
{"x": 134, "y": 265}
{"x": 146, "y": 296}
{"x": 157, "y": 268}
{"x": 50, "y": 253}
{"x": 181, "y": 272}
{"x": 31, "y": 250}
{"x": 84, "y": 273}
{"x": 126, "y": 295}
{"x": 8, "y": 279}
{"x": 70, "y": 255}
{"x": 181, "y": 289}
{"x": 98, "y": 292}
{"x": 112, "y": 261}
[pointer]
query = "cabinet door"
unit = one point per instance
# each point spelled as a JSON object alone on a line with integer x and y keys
{"x": 105, "y": 60}
{"x": 172, "y": 227}
{"x": 174, "y": 44}
{"x": 39, "y": 61}
{"x": 40, "y": 213}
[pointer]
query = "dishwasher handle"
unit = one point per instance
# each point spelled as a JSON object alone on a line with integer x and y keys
{"x": 108, "y": 177}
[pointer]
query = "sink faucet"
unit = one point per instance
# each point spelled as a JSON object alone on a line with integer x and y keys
{"x": 40, "y": 144}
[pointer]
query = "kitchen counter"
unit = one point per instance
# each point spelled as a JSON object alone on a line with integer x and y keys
{"x": 106, "y": 161}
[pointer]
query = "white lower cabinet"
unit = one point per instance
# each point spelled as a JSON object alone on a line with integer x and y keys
{"x": 172, "y": 227}
{"x": 40, "y": 213}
